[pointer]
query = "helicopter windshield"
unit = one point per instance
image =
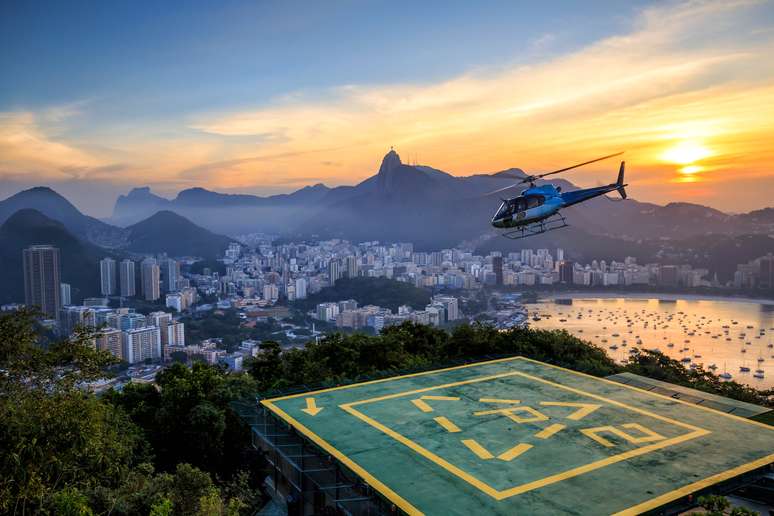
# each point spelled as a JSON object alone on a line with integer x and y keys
{"x": 504, "y": 211}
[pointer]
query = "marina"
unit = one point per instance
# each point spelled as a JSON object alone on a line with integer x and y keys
{"x": 732, "y": 338}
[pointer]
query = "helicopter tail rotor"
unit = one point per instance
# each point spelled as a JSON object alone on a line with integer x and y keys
{"x": 620, "y": 182}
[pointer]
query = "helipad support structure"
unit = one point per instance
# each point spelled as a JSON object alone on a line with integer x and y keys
{"x": 516, "y": 436}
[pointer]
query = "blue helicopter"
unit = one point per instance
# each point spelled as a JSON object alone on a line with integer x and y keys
{"x": 536, "y": 210}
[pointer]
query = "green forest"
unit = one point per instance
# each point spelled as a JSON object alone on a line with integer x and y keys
{"x": 176, "y": 448}
{"x": 383, "y": 292}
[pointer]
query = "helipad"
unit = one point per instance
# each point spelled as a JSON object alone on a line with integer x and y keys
{"x": 518, "y": 436}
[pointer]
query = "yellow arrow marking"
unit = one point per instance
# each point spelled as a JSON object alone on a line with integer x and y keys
{"x": 311, "y": 407}
{"x": 584, "y": 408}
{"x": 511, "y": 413}
{"x": 424, "y": 407}
{"x": 476, "y": 448}
{"x": 550, "y": 430}
{"x": 514, "y": 452}
{"x": 495, "y": 400}
{"x": 446, "y": 424}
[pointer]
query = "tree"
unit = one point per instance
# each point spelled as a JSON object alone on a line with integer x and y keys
{"x": 57, "y": 440}
{"x": 715, "y": 505}
{"x": 70, "y": 502}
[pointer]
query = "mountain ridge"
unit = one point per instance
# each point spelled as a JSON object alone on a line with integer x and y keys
{"x": 55, "y": 206}
{"x": 420, "y": 203}
{"x": 79, "y": 258}
{"x": 168, "y": 232}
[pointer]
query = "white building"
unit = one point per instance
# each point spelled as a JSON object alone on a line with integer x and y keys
{"x": 107, "y": 275}
{"x": 327, "y": 311}
{"x": 174, "y": 300}
{"x": 151, "y": 276}
{"x": 270, "y": 292}
{"x": 301, "y": 288}
{"x": 65, "y": 294}
{"x": 141, "y": 344}
{"x": 176, "y": 334}
{"x": 110, "y": 339}
{"x": 161, "y": 320}
{"x": 127, "y": 278}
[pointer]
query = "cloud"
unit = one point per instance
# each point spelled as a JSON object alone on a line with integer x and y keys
{"x": 26, "y": 149}
{"x": 694, "y": 71}
{"x": 698, "y": 69}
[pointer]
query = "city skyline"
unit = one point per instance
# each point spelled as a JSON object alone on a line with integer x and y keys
{"x": 255, "y": 99}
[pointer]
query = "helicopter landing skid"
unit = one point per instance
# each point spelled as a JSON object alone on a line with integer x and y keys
{"x": 537, "y": 228}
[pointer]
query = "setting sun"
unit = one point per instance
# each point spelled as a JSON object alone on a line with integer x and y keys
{"x": 685, "y": 153}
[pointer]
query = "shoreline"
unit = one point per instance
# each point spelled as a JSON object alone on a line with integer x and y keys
{"x": 652, "y": 295}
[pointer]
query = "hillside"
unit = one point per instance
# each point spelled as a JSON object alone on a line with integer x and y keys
{"x": 219, "y": 212}
{"x": 370, "y": 291}
{"x": 429, "y": 207}
{"x": 56, "y": 207}
{"x": 168, "y": 232}
{"x": 80, "y": 260}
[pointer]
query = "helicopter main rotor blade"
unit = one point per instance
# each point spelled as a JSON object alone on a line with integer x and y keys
{"x": 500, "y": 190}
{"x": 537, "y": 176}
{"x": 501, "y": 175}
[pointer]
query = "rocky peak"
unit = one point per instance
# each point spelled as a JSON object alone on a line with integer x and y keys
{"x": 386, "y": 177}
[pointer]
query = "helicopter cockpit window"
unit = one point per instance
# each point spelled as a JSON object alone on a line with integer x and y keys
{"x": 504, "y": 211}
{"x": 533, "y": 201}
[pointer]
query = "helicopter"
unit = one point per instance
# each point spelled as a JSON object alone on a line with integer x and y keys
{"x": 536, "y": 209}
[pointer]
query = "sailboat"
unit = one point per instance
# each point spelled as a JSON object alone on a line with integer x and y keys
{"x": 725, "y": 374}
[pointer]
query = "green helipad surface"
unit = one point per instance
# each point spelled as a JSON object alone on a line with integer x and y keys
{"x": 518, "y": 436}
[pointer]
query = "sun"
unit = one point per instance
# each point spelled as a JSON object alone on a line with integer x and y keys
{"x": 685, "y": 153}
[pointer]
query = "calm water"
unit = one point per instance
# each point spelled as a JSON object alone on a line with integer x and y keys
{"x": 727, "y": 333}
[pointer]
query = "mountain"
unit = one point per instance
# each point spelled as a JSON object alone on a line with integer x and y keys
{"x": 434, "y": 209}
{"x": 168, "y": 232}
{"x": 50, "y": 203}
{"x": 80, "y": 259}
{"x": 137, "y": 201}
{"x": 226, "y": 213}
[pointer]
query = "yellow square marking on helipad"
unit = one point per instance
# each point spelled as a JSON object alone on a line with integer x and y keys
{"x": 398, "y": 493}
{"x": 518, "y": 450}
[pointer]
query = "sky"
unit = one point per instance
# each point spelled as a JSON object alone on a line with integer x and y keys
{"x": 264, "y": 97}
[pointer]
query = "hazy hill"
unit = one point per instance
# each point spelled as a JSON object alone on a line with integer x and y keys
{"x": 168, "y": 232}
{"x": 80, "y": 260}
{"x": 434, "y": 209}
{"x": 225, "y": 213}
{"x": 53, "y": 205}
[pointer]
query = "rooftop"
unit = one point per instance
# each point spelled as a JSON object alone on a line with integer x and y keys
{"x": 519, "y": 436}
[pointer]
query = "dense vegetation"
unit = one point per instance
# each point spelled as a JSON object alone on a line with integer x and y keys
{"x": 370, "y": 291}
{"x": 214, "y": 266}
{"x": 226, "y": 325}
{"x": 339, "y": 358}
{"x": 177, "y": 448}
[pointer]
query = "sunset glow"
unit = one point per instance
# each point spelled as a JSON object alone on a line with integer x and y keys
{"x": 685, "y": 153}
{"x": 687, "y": 90}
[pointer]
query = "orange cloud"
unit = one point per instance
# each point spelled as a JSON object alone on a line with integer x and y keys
{"x": 696, "y": 75}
